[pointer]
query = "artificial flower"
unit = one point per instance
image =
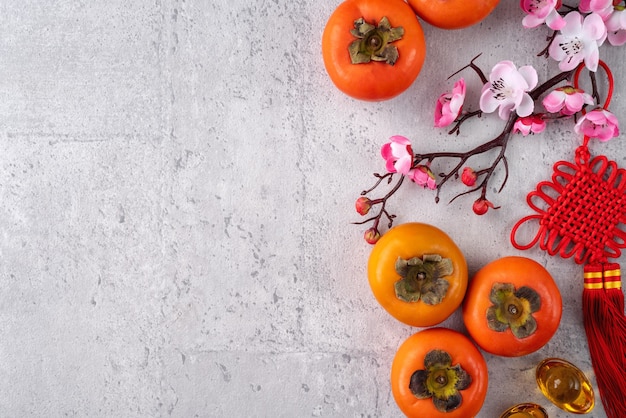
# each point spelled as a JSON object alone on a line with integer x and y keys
{"x": 532, "y": 124}
{"x": 578, "y": 41}
{"x": 508, "y": 89}
{"x": 540, "y": 11}
{"x": 599, "y": 123}
{"x": 449, "y": 105}
{"x": 423, "y": 177}
{"x": 398, "y": 155}
{"x": 601, "y": 7}
{"x": 567, "y": 100}
{"x": 468, "y": 176}
{"x": 371, "y": 236}
{"x": 482, "y": 205}
{"x": 363, "y": 205}
{"x": 616, "y": 27}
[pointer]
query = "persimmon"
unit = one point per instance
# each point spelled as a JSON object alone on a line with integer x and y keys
{"x": 439, "y": 373}
{"x": 453, "y": 14}
{"x": 373, "y": 49}
{"x": 417, "y": 274}
{"x": 512, "y": 307}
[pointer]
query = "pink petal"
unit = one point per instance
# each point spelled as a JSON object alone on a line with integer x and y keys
{"x": 521, "y": 127}
{"x": 531, "y": 21}
{"x": 554, "y": 20}
{"x": 399, "y": 139}
{"x": 403, "y": 165}
{"x": 574, "y": 103}
{"x": 554, "y": 101}
{"x": 385, "y": 151}
{"x": 593, "y": 26}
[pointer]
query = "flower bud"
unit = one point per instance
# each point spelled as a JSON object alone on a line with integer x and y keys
{"x": 363, "y": 205}
{"x": 482, "y": 205}
{"x": 468, "y": 177}
{"x": 371, "y": 236}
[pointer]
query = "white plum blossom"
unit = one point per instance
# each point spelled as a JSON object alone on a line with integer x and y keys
{"x": 508, "y": 89}
{"x": 579, "y": 41}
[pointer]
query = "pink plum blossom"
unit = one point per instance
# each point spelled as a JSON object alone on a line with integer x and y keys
{"x": 508, "y": 89}
{"x": 398, "y": 155}
{"x": 599, "y": 123}
{"x": 601, "y": 7}
{"x": 449, "y": 105}
{"x": 616, "y": 27}
{"x": 423, "y": 177}
{"x": 532, "y": 124}
{"x": 542, "y": 11}
{"x": 567, "y": 100}
{"x": 578, "y": 41}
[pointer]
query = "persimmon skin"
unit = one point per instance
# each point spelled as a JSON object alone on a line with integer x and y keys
{"x": 415, "y": 240}
{"x": 410, "y": 357}
{"x": 453, "y": 14}
{"x": 519, "y": 271}
{"x": 374, "y": 81}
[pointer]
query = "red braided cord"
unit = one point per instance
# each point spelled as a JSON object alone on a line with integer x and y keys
{"x": 587, "y": 217}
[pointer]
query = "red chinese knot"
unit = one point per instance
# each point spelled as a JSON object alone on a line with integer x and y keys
{"x": 582, "y": 213}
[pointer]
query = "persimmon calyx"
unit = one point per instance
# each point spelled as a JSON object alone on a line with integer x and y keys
{"x": 513, "y": 308}
{"x": 373, "y": 42}
{"x": 423, "y": 278}
{"x": 440, "y": 380}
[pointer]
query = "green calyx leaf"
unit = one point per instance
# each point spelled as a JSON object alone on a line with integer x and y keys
{"x": 441, "y": 381}
{"x": 372, "y": 43}
{"x": 512, "y": 309}
{"x": 423, "y": 279}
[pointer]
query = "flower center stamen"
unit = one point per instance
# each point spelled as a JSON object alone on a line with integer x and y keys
{"x": 571, "y": 48}
{"x": 500, "y": 90}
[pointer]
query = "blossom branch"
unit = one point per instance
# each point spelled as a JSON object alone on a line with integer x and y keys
{"x": 500, "y": 141}
{"x": 364, "y": 204}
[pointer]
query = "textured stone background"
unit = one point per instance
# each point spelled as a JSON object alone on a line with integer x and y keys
{"x": 177, "y": 182}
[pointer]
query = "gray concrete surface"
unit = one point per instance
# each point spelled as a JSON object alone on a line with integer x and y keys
{"x": 177, "y": 182}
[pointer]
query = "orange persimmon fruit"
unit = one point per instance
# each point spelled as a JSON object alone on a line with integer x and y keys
{"x": 439, "y": 373}
{"x": 512, "y": 307}
{"x": 373, "y": 50}
{"x": 417, "y": 274}
{"x": 453, "y": 14}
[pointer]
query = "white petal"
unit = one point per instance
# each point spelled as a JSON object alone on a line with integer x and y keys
{"x": 526, "y": 106}
{"x": 592, "y": 56}
{"x": 487, "y": 102}
{"x": 530, "y": 75}
{"x": 573, "y": 24}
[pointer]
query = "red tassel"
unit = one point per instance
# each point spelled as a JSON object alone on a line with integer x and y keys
{"x": 613, "y": 285}
{"x": 604, "y": 326}
{"x": 616, "y": 328}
